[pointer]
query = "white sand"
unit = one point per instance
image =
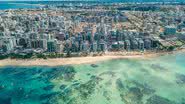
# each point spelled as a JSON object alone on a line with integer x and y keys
{"x": 68, "y": 61}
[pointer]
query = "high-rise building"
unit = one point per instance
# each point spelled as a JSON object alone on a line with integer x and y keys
{"x": 93, "y": 46}
{"x": 147, "y": 43}
{"x": 134, "y": 44}
{"x": 51, "y": 46}
{"x": 170, "y": 30}
{"x": 8, "y": 44}
{"x": 140, "y": 44}
{"x": 127, "y": 45}
{"x": 39, "y": 43}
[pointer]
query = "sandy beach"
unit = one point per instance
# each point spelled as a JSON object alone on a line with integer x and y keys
{"x": 76, "y": 60}
{"x": 84, "y": 60}
{"x": 60, "y": 61}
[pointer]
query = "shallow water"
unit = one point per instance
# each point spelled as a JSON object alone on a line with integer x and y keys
{"x": 158, "y": 80}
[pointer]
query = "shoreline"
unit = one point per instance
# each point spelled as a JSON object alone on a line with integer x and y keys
{"x": 83, "y": 60}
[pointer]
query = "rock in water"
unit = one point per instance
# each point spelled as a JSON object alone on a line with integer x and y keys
{"x": 62, "y": 87}
{"x": 180, "y": 79}
{"x": 49, "y": 87}
{"x": 94, "y": 65}
{"x": 119, "y": 84}
{"x": 136, "y": 92}
{"x": 159, "y": 100}
{"x": 112, "y": 74}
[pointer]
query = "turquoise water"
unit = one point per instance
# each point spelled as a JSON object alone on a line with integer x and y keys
{"x": 29, "y": 4}
{"x": 15, "y": 5}
{"x": 158, "y": 80}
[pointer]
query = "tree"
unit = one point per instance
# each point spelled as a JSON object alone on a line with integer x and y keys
{"x": 171, "y": 48}
{"x": 23, "y": 43}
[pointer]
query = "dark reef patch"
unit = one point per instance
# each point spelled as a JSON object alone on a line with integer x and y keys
{"x": 33, "y": 83}
{"x": 94, "y": 65}
{"x": 5, "y": 101}
{"x": 48, "y": 96}
{"x": 49, "y": 87}
{"x": 8, "y": 70}
{"x": 68, "y": 73}
{"x": 136, "y": 92}
{"x": 2, "y": 87}
{"x": 158, "y": 67}
{"x": 75, "y": 84}
{"x": 88, "y": 74}
{"x": 88, "y": 88}
{"x": 106, "y": 95}
{"x": 180, "y": 79}
{"x": 19, "y": 92}
{"x": 133, "y": 96}
{"x": 62, "y": 87}
{"x": 183, "y": 101}
{"x": 144, "y": 70}
{"x": 111, "y": 73}
{"x": 65, "y": 72}
{"x": 145, "y": 88}
{"x": 119, "y": 84}
{"x": 155, "y": 99}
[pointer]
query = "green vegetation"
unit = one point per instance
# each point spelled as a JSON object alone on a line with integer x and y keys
{"x": 167, "y": 48}
{"x": 32, "y": 55}
{"x": 171, "y": 48}
{"x": 55, "y": 55}
{"x": 179, "y": 43}
{"x": 41, "y": 56}
{"x": 17, "y": 56}
{"x": 3, "y": 57}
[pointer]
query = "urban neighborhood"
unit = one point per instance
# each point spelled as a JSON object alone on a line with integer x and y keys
{"x": 96, "y": 28}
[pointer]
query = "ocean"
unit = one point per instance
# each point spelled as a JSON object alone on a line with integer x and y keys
{"x": 159, "y": 80}
{"x": 31, "y": 4}
{"x": 17, "y": 5}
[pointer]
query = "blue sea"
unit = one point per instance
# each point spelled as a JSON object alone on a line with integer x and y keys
{"x": 36, "y": 4}
{"x": 14, "y": 5}
{"x": 159, "y": 80}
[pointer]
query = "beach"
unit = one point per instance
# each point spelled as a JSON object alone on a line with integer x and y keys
{"x": 79, "y": 60}
{"x": 86, "y": 59}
